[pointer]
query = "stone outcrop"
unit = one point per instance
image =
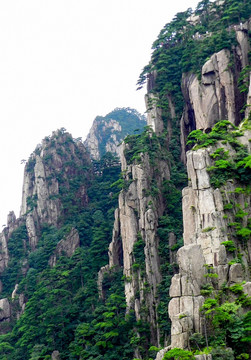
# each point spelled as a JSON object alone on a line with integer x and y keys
{"x": 55, "y": 355}
{"x": 48, "y": 174}
{"x": 208, "y": 211}
{"x": 12, "y": 224}
{"x": 66, "y": 247}
{"x": 108, "y": 132}
{"x": 48, "y": 169}
{"x": 216, "y": 96}
{"x": 136, "y": 222}
{"x": 205, "y": 229}
{"x": 5, "y": 310}
{"x": 92, "y": 141}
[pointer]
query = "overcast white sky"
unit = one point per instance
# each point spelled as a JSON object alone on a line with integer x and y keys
{"x": 62, "y": 63}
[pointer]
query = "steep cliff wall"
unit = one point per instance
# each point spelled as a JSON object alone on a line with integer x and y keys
{"x": 58, "y": 169}
{"x": 135, "y": 242}
{"x": 216, "y": 204}
{"x": 208, "y": 213}
{"x": 216, "y": 95}
{"x": 47, "y": 177}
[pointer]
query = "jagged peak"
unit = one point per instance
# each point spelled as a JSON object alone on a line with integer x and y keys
{"x": 107, "y": 132}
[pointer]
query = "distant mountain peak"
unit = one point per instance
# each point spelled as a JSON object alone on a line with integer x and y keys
{"x": 108, "y": 131}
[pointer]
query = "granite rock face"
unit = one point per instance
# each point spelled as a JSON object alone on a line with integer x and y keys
{"x": 206, "y": 227}
{"x": 47, "y": 170}
{"x": 92, "y": 141}
{"x": 108, "y": 132}
{"x": 55, "y": 355}
{"x": 208, "y": 211}
{"x": 216, "y": 96}
{"x": 66, "y": 246}
{"x": 136, "y": 222}
{"x": 48, "y": 174}
{"x": 5, "y": 310}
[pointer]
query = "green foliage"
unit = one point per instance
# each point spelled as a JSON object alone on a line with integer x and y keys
{"x": 243, "y": 79}
{"x": 179, "y": 354}
{"x": 228, "y": 321}
{"x": 170, "y": 224}
{"x": 228, "y": 206}
{"x": 106, "y": 336}
{"x": 230, "y": 245}
{"x": 18, "y": 246}
{"x": 244, "y": 233}
{"x": 221, "y": 353}
{"x": 146, "y": 142}
{"x": 197, "y": 342}
{"x": 209, "y": 228}
{"x": 222, "y": 130}
{"x": 224, "y": 168}
{"x": 63, "y": 310}
{"x": 206, "y": 289}
{"x": 138, "y": 250}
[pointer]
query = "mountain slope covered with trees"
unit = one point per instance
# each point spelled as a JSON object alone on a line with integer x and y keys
{"x": 151, "y": 260}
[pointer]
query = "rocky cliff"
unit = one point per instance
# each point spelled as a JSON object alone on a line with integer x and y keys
{"x": 107, "y": 133}
{"x": 213, "y": 219}
{"x": 57, "y": 166}
{"x": 216, "y": 203}
{"x": 136, "y": 242}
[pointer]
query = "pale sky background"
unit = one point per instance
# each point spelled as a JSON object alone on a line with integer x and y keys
{"x": 62, "y": 63}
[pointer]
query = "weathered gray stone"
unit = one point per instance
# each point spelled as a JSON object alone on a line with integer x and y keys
{"x": 115, "y": 248}
{"x": 218, "y": 200}
{"x": 203, "y": 357}
{"x": 206, "y": 201}
{"x": 32, "y": 232}
{"x": 102, "y": 272}
{"x": 247, "y": 288}
{"x": 194, "y": 270}
{"x": 5, "y": 310}
{"x": 175, "y": 288}
{"x": 236, "y": 274}
{"x": 55, "y": 355}
{"x": 160, "y": 355}
{"x": 222, "y": 271}
{"x": 176, "y": 328}
{"x": 222, "y": 258}
{"x": 92, "y": 141}
{"x": 14, "y": 292}
{"x": 203, "y": 179}
{"x": 4, "y": 254}
{"x": 248, "y": 108}
{"x": 174, "y": 307}
{"x": 189, "y": 208}
{"x": 66, "y": 246}
{"x": 197, "y": 304}
{"x": 154, "y": 113}
{"x": 180, "y": 341}
{"x": 186, "y": 305}
{"x": 11, "y": 218}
